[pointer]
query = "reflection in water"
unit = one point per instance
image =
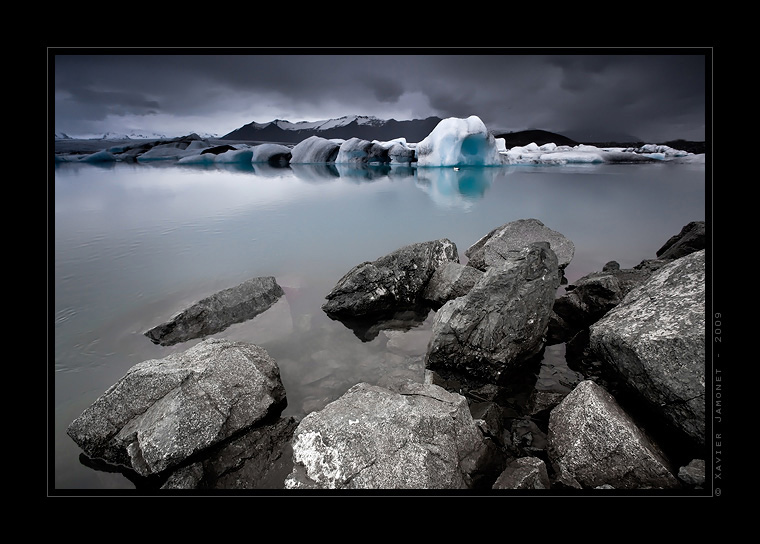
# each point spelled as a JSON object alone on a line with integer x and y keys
{"x": 315, "y": 172}
{"x": 367, "y": 328}
{"x": 448, "y": 187}
{"x": 456, "y": 187}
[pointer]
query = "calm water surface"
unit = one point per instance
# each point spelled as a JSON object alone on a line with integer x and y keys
{"x": 133, "y": 244}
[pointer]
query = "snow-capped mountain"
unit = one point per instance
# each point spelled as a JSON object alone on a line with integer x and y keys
{"x": 134, "y": 135}
{"x": 351, "y": 126}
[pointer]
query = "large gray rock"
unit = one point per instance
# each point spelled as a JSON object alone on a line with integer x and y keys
{"x": 690, "y": 239}
{"x": 655, "y": 339}
{"x": 260, "y": 458}
{"x": 393, "y": 282}
{"x": 593, "y": 295}
{"x": 592, "y": 442}
{"x": 449, "y": 281}
{"x": 217, "y": 312}
{"x": 421, "y": 437}
{"x": 163, "y": 411}
{"x": 509, "y": 239}
{"x": 501, "y": 322}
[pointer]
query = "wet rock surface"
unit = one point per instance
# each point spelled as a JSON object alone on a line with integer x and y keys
{"x": 164, "y": 411}
{"x": 215, "y": 313}
{"x": 655, "y": 338}
{"x": 501, "y": 321}
{"x": 391, "y": 283}
{"x": 593, "y": 442}
{"x": 419, "y": 437}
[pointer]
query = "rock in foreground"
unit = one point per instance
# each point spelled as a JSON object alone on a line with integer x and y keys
{"x": 509, "y": 239}
{"x": 217, "y": 312}
{"x": 593, "y": 443}
{"x": 391, "y": 283}
{"x": 501, "y": 322}
{"x": 421, "y": 437}
{"x": 655, "y": 338}
{"x": 163, "y": 411}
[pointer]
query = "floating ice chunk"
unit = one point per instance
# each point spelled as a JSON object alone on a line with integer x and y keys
{"x": 459, "y": 142}
{"x": 315, "y": 149}
{"x": 174, "y": 150}
{"x": 354, "y": 150}
{"x": 271, "y": 153}
{"x": 236, "y": 156}
{"x": 206, "y": 158}
{"x": 99, "y": 156}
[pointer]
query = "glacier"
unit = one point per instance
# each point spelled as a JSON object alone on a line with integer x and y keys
{"x": 454, "y": 142}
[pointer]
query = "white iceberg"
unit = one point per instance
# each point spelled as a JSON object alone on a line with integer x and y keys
{"x": 459, "y": 142}
{"x": 271, "y": 153}
{"x": 315, "y": 149}
{"x": 174, "y": 150}
{"x": 354, "y": 151}
{"x": 231, "y": 156}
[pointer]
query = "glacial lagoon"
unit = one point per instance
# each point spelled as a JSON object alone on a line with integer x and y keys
{"x": 132, "y": 244}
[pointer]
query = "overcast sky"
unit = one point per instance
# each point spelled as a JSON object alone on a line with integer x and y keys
{"x": 655, "y": 96}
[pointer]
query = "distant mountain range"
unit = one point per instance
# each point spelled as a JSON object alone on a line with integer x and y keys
{"x": 111, "y": 136}
{"x": 373, "y": 128}
{"x": 353, "y": 126}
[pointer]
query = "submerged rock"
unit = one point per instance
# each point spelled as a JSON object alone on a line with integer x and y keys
{"x": 217, "y": 312}
{"x": 163, "y": 411}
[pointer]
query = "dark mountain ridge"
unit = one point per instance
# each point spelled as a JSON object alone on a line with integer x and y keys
{"x": 414, "y": 131}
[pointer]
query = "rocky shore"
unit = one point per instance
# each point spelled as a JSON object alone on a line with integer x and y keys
{"x": 629, "y": 417}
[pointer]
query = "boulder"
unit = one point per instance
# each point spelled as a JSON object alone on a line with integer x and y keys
{"x": 592, "y": 296}
{"x": 690, "y": 239}
{"x": 509, "y": 239}
{"x": 501, "y": 322}
{"x": 163, "y": 411}
{"x": 391, "y": 283}
{"x": 592, "y": 442}
{"x": 524, "y": 473}
{"x": 419, "y": 437}
{"x": 655, "y": 339}
{"x": 260, "y": 458}
{"x": 449, "y": 281}
{"x": 218, "y": 311}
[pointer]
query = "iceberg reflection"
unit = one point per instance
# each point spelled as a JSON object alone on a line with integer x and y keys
{"x": 457, "y": 187}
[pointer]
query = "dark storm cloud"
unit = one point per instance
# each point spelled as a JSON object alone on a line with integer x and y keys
{"x": 650, "y": 96}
